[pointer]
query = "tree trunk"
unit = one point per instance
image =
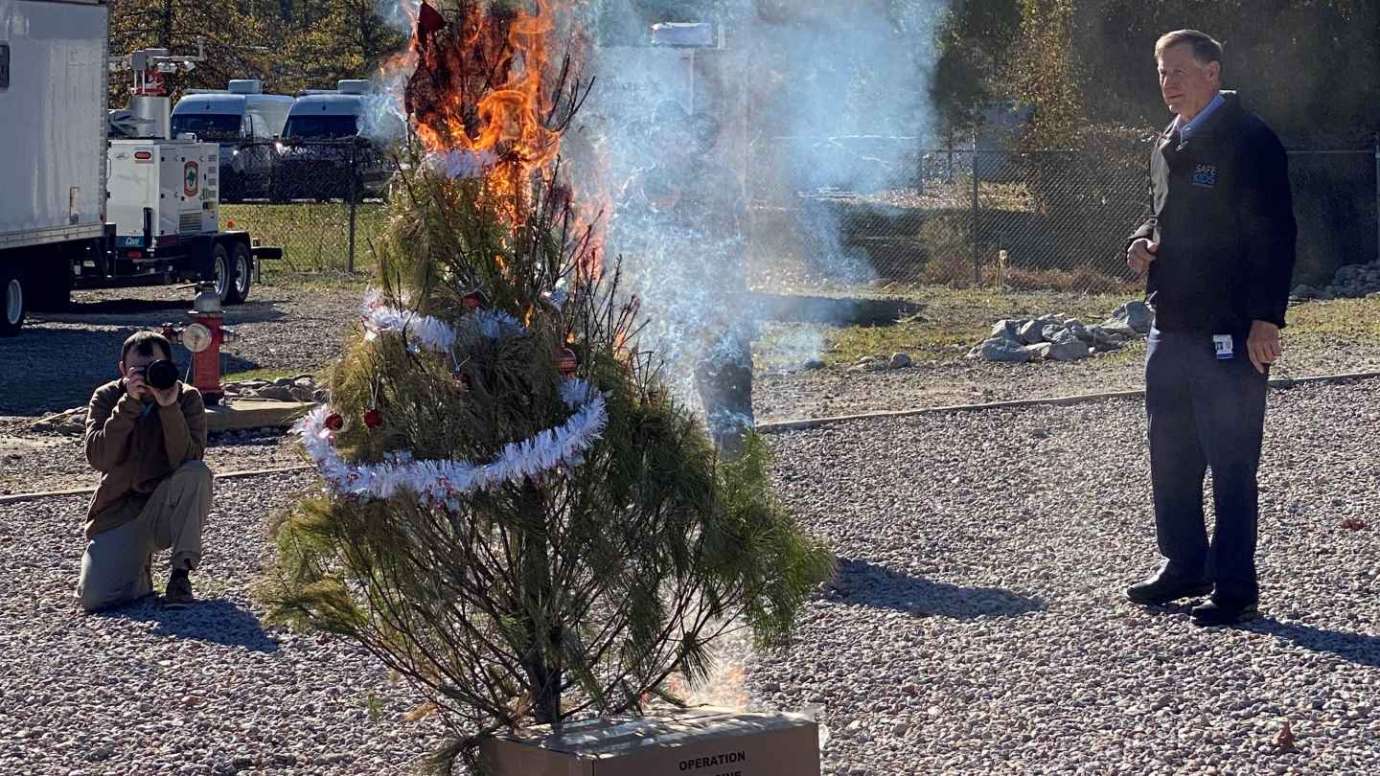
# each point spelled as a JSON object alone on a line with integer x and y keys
{"x": 542, "y": 661}
{"x": 166, "y": 30}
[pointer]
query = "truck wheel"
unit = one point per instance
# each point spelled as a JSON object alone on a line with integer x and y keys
{"x": 242, "y": 264}
{"x": 12, "y": 308}
{"x": 220, "y": 273}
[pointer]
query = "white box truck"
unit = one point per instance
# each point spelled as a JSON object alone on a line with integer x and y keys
{"x": 61, "y": 225}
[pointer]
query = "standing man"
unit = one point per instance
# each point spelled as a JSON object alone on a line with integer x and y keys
{"x": 155, "y": 491}
{"x": 1219, "y": 254}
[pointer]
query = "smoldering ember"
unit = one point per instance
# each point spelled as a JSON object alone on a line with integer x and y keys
{"x": 718, "y": 387}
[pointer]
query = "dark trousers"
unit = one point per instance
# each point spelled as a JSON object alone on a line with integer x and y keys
{"x": 1205, "y": 413}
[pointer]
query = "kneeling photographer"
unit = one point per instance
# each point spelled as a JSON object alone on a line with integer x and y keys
{"x": 146, "y": 434}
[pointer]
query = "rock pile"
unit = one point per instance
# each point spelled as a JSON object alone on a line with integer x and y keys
{"x": 298, "y": 389}
{"x": 301, "y": 389}
{"x": 1058, "y": 337}
{"x": 1351, "y": 282}
{"x": 880, "y": 363}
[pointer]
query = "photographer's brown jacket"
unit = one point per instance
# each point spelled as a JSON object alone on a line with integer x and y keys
{"x": 135, "y": 446}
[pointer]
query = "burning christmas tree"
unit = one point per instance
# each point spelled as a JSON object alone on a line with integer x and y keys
{"x": 518, "y": 517}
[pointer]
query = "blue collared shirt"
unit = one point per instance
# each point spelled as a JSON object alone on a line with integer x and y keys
{"x": 1186, "y": 131}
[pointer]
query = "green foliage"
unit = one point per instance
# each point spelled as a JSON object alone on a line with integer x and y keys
{"x": 975, "y": 42}
{"x": 1306, "y": 65}
{"x": 582, "y": 589}
{"x": 289, "y": 44}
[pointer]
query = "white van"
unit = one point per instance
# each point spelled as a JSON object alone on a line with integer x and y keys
{"x": 245, "y": 122}
{"x": 325, "y": 136}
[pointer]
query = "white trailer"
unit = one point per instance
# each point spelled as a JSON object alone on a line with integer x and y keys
{"x": 61, "y": 225}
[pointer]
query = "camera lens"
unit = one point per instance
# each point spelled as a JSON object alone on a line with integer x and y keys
{"x": 161, "y": 375}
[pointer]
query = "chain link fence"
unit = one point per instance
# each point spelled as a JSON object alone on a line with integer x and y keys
{"x": 1017, "y": 221}
{"x": 320, "y": 200}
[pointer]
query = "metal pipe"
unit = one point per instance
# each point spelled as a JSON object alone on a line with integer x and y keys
{"x": 354, "y": 207}
{"x": 977, "y": 260}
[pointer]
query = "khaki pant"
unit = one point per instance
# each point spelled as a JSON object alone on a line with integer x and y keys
{"x": 116, "y": 567}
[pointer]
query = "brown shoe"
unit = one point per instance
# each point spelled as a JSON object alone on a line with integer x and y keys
{"x": 179, "y": 592}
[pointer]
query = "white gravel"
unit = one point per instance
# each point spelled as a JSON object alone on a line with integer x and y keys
{"x": 977, "y": 626}
{"x": 208, "y": 690}
{"x": 979, "y": 623}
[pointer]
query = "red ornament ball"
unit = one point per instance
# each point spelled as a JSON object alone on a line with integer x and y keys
{"x": 334, "y": 422}
{"x": 567, "y": 362}
{"x": 474, "y": 300}
{"x": 373, "y": 418}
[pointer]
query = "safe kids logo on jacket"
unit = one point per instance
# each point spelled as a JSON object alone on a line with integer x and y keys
{"x": 1205, "y": 175}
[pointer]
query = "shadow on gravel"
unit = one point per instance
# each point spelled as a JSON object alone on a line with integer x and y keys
{"x": 153, "y": 312}
{"x": 213, "y": 620}
{"x": 867, "y": 584}
{"x": 1359, "y": 648}
{"x": 61, "y": 367}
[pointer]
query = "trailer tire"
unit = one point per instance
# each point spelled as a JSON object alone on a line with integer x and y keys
{"x": 241, "y": 274}
{"x": 221, "y": 273}
{"x": 12, "y": 303}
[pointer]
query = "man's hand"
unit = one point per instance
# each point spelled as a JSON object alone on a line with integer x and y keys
{"x": 165, "y": 398}
{"x": 1263, "y": 345}
{"x": 1140, "y": 255}
{"x": 135, "y": 385}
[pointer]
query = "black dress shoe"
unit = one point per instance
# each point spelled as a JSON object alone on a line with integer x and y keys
{"x": 1223, "y": 613}
{"x": 1162, "y": 589}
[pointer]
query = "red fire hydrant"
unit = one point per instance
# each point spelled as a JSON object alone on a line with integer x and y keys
{"x": 204, "y": 337}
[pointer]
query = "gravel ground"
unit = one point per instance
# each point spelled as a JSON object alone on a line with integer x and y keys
{"x": 208, "y": 690}
{"x": 66, "y": 356}
{"x": 976, "y": 625}
{"x": 835, "y": 390}
{"x": 299, "y": 328}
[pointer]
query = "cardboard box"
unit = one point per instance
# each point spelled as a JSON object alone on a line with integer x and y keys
{"x": 694, "y": 742}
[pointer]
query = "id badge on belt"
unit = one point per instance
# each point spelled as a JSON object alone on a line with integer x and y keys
{"x": 1224, "y": 347}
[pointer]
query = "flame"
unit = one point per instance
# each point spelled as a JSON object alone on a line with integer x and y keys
{"x": 481, "y": 91}
{"x": 480, "y": 87}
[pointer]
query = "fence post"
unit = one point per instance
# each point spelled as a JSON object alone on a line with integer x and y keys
{"x": 354, "y": 198}
{"x": 1377, "y": 196}
{"x": 977, "y": 259}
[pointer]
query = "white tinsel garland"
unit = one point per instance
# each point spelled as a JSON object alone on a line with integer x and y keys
{"x": 434, "y": 333}
{"x": 443, "y": 483}
{"x": 461, "y": 164}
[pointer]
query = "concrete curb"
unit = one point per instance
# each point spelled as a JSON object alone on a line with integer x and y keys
{"x": 22, "y": 497}
{"x": 1088, "y": 398}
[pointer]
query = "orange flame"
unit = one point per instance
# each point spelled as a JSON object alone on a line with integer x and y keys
{"x": 480, "y": 87}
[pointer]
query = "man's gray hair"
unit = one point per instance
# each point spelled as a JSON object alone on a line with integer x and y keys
{"x": 1206, "y": 49}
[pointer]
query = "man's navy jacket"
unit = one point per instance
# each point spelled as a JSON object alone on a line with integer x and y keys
{"x": 1224, "y": 221}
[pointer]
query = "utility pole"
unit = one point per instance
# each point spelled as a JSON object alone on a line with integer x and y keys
{"x": 165, "y": 34}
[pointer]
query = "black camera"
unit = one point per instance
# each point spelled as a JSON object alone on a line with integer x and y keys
{"x": 161, "y": 374}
